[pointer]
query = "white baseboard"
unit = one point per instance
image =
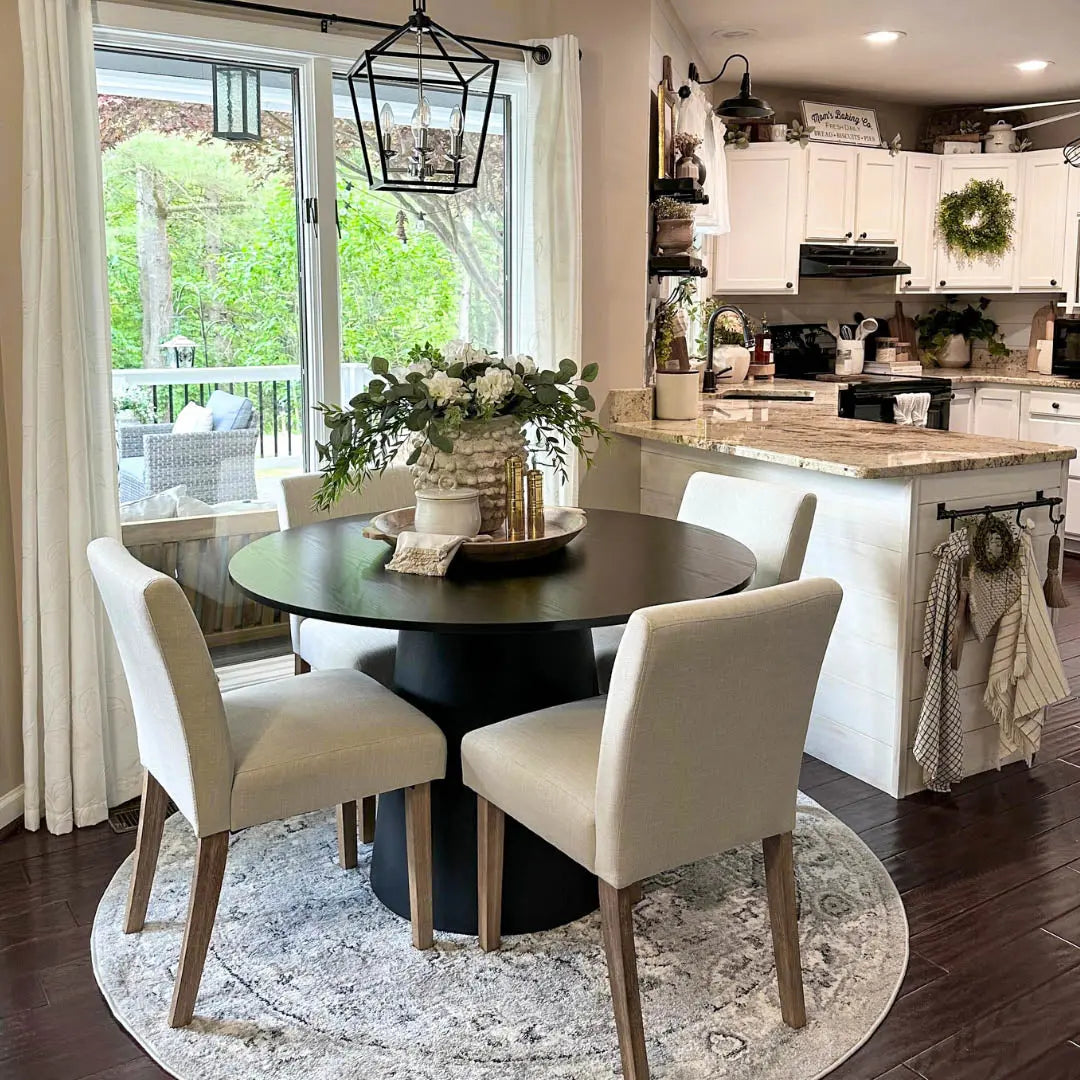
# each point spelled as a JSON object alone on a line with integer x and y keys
{"x": 11, "y": 806}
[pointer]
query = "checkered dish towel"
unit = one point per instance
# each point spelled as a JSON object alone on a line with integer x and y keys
{"x": 939, "y": 741}
{"x": 1025, "y": 672}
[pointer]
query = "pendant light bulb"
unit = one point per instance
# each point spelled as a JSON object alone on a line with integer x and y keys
{"x": 457, "y": 122}
{"x": 421, "y": 117}
{"x": 386, "y": 120}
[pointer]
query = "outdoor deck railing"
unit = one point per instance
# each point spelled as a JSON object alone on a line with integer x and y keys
{"x": 276, "y": 392}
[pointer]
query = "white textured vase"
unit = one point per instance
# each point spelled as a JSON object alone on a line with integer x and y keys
{"x": 478, "y": 461}
{"x": 956, "y": 352}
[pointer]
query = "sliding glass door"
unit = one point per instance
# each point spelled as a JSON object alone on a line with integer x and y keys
{"x": 204, "y": 274}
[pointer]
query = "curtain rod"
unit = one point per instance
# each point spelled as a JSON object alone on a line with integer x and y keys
{"x": 540, "y": 53}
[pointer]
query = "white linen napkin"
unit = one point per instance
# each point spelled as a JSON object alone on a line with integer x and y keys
{"x": 911, "y": 410}
{"x": 425, "y": 553}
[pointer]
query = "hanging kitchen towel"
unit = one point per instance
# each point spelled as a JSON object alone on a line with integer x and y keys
{"x": 696, "y": 116}
{"x": 939, "y": 740}
{"x": 911, "y": 410}
{"x": 992, "y": 593}
{"x": 1025, "y": 672}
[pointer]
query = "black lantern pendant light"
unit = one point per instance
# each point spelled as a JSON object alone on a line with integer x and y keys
{"x": 744, "y": 108}
{"x": 237, "y": 103}
{"x": 445, "y": 86}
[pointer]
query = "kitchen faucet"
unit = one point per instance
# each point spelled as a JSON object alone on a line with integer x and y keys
{"x": 709, "y": 383}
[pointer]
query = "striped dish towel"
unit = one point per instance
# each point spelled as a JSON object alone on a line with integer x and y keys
{"x": 1025, "y": 672}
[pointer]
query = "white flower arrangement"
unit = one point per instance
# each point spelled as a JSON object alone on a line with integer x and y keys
{"x": 432, "y": 392}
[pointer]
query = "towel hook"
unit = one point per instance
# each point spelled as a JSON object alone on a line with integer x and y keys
{"x": 1056, "y": 521}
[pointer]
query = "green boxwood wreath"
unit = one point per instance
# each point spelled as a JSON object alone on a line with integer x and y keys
{"x": 977, "y": 221}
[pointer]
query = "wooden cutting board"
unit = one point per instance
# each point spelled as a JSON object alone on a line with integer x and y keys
{"x": 902, "y": 327}
{"x": 1042, "y": 327}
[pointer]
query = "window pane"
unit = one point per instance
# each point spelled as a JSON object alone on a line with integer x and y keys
{"x": 203, "y": 281}
{"x": 418, "y": 268}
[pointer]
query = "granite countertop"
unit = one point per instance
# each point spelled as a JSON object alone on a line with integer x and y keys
{"x": 811, "y": 436}
{"x": 975, "y": 376}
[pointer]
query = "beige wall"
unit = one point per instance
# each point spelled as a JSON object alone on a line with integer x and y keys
{"x": 10, "y": 338}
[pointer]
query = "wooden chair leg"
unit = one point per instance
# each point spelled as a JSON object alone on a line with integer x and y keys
{"x": 637, "y": 893}
{"x": 780, "y": 882}
{"x": 617, "y": 921}
{"x": 418, "y": 851}
{"x": 155, "y": 803}
{"x": 346, "y": 835}
{"x": 202, "y": 907}
{"x": 367, "y": 820}
{"x": 490, "y": 830}
{"x": 300, "y": 665}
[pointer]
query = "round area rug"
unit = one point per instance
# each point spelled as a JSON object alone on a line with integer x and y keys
{"x": 310, "y": 977}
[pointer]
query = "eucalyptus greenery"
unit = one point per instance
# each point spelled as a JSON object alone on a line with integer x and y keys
{"x": 425, "y": 399}
{"x": 800, "y": 133}
{"x": 977, "y": 221}
{"x": 970, "y": 322}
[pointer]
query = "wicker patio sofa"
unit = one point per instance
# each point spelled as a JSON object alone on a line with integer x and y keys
{"x": 216, "y": 466}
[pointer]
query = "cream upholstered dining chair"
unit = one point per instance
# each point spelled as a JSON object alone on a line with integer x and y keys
{"x": 252, "y": 755}
{"x": 319, "y": 644}
{"x": 772, "y": 521}
{"x": 696, "y": 750}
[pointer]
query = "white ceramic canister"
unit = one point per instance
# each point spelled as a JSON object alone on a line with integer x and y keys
{"x": 849, "y": 356}
{"x": 677, "y": 395}
{"x": 451, "y": 511}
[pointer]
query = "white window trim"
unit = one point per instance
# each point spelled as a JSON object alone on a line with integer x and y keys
{"x": 318, "y": 57}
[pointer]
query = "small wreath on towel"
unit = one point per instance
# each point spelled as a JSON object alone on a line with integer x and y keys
{"x": 993, "y": 545}
{"x": 977, "y": 221}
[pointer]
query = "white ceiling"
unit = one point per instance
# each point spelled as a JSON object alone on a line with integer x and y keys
{"x": 956, "y": 51}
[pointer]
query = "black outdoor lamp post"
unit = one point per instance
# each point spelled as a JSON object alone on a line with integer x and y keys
{"x": 180, "y": 351}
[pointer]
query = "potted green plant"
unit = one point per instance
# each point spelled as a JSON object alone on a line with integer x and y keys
{"x": 677, "y": 380}
{"x": 458, "y": 412}
{"x": 946, "y": 334}
{"x": 674, "y": 226}
{"x": 134, "y": 406}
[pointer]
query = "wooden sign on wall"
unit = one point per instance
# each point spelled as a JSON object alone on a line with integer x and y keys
{"x": 844, "y": 124}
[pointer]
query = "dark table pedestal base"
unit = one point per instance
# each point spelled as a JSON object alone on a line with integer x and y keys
{"x": 466, "y": 681}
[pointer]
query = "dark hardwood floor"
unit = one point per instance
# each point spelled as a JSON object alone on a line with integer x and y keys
{"x": 990, "y": 876}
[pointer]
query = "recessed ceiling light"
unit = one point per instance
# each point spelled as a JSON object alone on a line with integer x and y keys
{"x": 734, "y": 33}
{"x": 1033, "y": 65}
{"x": 884, "y": 37}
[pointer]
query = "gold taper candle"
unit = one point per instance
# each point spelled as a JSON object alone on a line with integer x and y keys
{"x": 515, "y": 499}
{"x": 535, "y": 480}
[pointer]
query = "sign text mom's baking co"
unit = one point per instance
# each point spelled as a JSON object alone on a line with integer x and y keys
{"x": 841, "y": 124}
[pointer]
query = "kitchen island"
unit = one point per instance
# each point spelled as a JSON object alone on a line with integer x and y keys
{"x": 878, "y": 488}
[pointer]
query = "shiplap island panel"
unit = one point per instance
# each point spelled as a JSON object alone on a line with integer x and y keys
{"x": 876, "y": 527}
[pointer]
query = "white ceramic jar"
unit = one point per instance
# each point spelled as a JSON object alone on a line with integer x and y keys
{"x": 677, "y": 395}
{"x": 450, "y": 511}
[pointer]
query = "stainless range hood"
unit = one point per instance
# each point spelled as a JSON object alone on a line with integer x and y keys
{"x": 850, "y": 261}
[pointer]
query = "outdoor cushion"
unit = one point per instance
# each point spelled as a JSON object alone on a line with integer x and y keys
{"x": 231, "y": 411}
{"x": 192, "y": 419}
{"x": 134, "y": 467}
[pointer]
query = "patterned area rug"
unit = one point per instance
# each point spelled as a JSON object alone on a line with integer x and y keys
{"x": 310, "y": 977}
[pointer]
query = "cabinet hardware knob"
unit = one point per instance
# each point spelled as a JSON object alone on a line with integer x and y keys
{"x": 907, "y": 284}
{"x": 1053, "y": 281}
{"x": 1055, "y": 405}
{"x": 847, "y": 236}
{"x": 862, "y": 236}
{"x": 942, "y": 283}
{"x": 789, "y": 285}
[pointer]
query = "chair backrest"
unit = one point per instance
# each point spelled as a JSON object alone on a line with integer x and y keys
{"x": 179, "y": 715}
{"x": 705, "y": 725}
{"x": 772, "y": 521}
{"x": 385, "y": 491}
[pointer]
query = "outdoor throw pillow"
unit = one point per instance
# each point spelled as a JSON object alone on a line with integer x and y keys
{"x": 193, "y": 418}
{"x": 231, "y": 411}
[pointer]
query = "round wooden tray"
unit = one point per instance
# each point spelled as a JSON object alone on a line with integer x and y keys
{"x": 561, "y": 525}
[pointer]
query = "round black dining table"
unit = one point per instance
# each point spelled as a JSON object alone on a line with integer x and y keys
{"x": 484, "y": 643}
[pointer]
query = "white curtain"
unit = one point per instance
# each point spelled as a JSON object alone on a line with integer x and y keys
{"x": 79, "y": 746}
{"x": 548, "y": 248}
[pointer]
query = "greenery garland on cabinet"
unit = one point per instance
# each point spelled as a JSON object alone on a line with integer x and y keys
{"x": 977, "y": 222}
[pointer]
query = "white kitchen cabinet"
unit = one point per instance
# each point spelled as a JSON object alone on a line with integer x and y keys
{"x": 956, "y": 275}
{"x": 1044, "y": 185}
{"x": 853, "y": 195}
{"x": 997, "y": 412}
{"x": 879, "y": 196}
{"x": 1071, "y": 268}
{"x": 922, "y": 180}
{"x": 767, "y": 197}
{"x": 1053, "y": 416}
{"x": 830, "y": 193}
{"x": 962, "y": 410}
